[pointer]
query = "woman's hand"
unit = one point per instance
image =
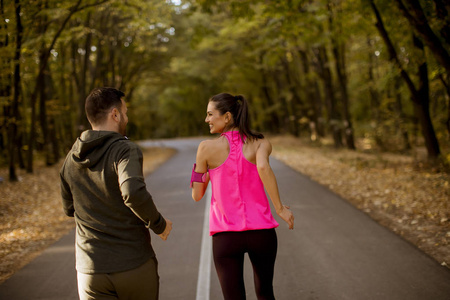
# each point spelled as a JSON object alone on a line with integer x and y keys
{"x": 286, "y": 215}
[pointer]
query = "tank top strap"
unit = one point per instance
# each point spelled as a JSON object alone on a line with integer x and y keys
{"x": 234, "y": 140}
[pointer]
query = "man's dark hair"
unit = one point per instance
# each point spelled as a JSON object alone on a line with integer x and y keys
{"x": 99, "y": 103}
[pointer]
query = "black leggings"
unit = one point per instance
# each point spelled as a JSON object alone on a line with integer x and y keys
{"x": 229, "y": 249}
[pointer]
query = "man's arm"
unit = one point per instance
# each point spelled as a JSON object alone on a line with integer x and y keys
{"x": 134, "y": 191}
{"x": 66, "y": 195}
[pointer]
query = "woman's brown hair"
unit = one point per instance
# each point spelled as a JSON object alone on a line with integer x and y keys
{"x": 238, "y": 107}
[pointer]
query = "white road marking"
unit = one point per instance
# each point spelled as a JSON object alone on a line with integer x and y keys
{"x": 204, "y": 270}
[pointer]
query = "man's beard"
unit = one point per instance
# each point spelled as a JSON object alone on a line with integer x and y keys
{"x": 122, "y": 127}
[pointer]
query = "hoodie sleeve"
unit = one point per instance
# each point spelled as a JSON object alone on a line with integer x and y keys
{"x": 133, "y": 188}
{"x": 66, "y": 195}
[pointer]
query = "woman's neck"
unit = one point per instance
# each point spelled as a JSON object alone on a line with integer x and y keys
{"x": 231, "y": 129}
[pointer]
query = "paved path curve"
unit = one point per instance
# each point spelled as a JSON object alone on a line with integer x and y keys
{"x": 335, "y": 252}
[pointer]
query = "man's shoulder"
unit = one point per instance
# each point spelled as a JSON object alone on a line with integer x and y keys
{"x": 125, "y": 145}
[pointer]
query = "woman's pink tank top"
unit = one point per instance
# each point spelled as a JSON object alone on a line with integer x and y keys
{"x": 238, "y": 200}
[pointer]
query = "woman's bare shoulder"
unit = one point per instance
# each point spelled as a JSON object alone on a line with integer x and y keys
{"x": 258, "y": 142}
{"x": 212, "y": 144}
{"x": 263, "y": 144}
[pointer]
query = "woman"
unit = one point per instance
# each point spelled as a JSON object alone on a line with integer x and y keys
{"x": 237, "y": 163}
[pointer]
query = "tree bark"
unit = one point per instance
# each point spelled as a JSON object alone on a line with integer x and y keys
{"x": 34, "y": 95}
{"x": 416, "y": 17}
{"x": 43, "y": 109}
{"x": 273, "y": 116}
{"x": 334, "y": 118}
{"x": 442, "y": 12}
{"x": 82, "y": 123}
{"x": 286, "y": 111}
{"x": 51, "y": 145}
{"x": 446, "y": 84}
{"x": 13, "y": 126}
{"x": 296, "y": 103}
{"x": 431, "y": 141}
{"x": 374, "y": 100}
{"x": 338, "y": 48}
{"x": 313, "y": 94}
{"x": 400, "y": 118}
{"x": 420, "y": 97}
{"x": 342, "y": 77}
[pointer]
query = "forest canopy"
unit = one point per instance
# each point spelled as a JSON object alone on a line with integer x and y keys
{"x": 372, "y": 70}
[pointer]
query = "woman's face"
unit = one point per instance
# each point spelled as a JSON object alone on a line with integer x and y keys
{"x": 216, "y": 121}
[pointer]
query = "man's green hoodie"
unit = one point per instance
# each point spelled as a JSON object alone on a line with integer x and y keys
{"x": 103, "y": 187}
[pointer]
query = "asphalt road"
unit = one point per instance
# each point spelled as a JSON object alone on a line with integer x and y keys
{"x": 335, "y": 252}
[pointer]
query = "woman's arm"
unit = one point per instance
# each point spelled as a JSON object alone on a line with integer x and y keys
{"x": 270, "y": 182}
{"x": 199, "y": 188}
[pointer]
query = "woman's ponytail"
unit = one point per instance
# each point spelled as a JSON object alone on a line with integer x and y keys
{"x": 238, "y": 107}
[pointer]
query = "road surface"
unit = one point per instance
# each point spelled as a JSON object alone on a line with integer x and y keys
{"x": 335, "y": 252}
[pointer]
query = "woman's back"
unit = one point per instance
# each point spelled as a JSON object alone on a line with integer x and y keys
{"x": 238, "y": 200}
{"x": 219, "y": 149}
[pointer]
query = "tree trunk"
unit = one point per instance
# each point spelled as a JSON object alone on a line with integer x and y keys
{"x": 43, "y": 110}
{"x": 82, "y": 122}
{"x": 313, "y": 94}
{"x": 339, "y": 56}
{"x": 6, "y": 92}
{"x": 3, "y": 43}
{"x": 334, "y": 119}
{"x": 442, "y": 12}
{"x": 51, "y": 146}
{"x": 295, "y": 102}
{"x": 64, "y": 121}
{"x": 420, "y": 97}
{"x": 429, "y": 134}
{"x": 53, "y": 140}
{"x": 374, "y": 101}
{"x": 13, "y": 128}
{"x": 338, "y": 49}
{"x": 286, "y": 109}
{"x": 417, "y": 19}
{"x": 400, "y": 118}
{"x": 273, "y": 116}
{"x": 34, "y": 95}
{"x": 446, "y": 84}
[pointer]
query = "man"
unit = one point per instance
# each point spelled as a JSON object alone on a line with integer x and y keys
{"x": 103, "y": 187}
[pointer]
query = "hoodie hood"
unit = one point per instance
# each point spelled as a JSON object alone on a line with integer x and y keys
{"x": 92, "y": 145}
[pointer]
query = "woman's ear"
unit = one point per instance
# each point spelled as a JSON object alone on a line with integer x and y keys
{"x": 228, "y": 117}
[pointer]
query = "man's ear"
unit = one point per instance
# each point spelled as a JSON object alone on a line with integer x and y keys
{"x": 115, "y": 114}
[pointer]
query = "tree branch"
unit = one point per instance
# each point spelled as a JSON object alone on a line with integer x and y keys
{"x": 392, "y": 52}
{"x": 92, "y": 5}
{"x": 419, "y": 22}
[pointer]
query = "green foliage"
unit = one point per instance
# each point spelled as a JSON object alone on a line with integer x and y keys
{"x": 169, "y": 57}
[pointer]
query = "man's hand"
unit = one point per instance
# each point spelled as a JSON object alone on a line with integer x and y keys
{"x": 166, "y": 231}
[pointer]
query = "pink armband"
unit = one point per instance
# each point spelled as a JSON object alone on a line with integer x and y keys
{"x": 197, "y": 177}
